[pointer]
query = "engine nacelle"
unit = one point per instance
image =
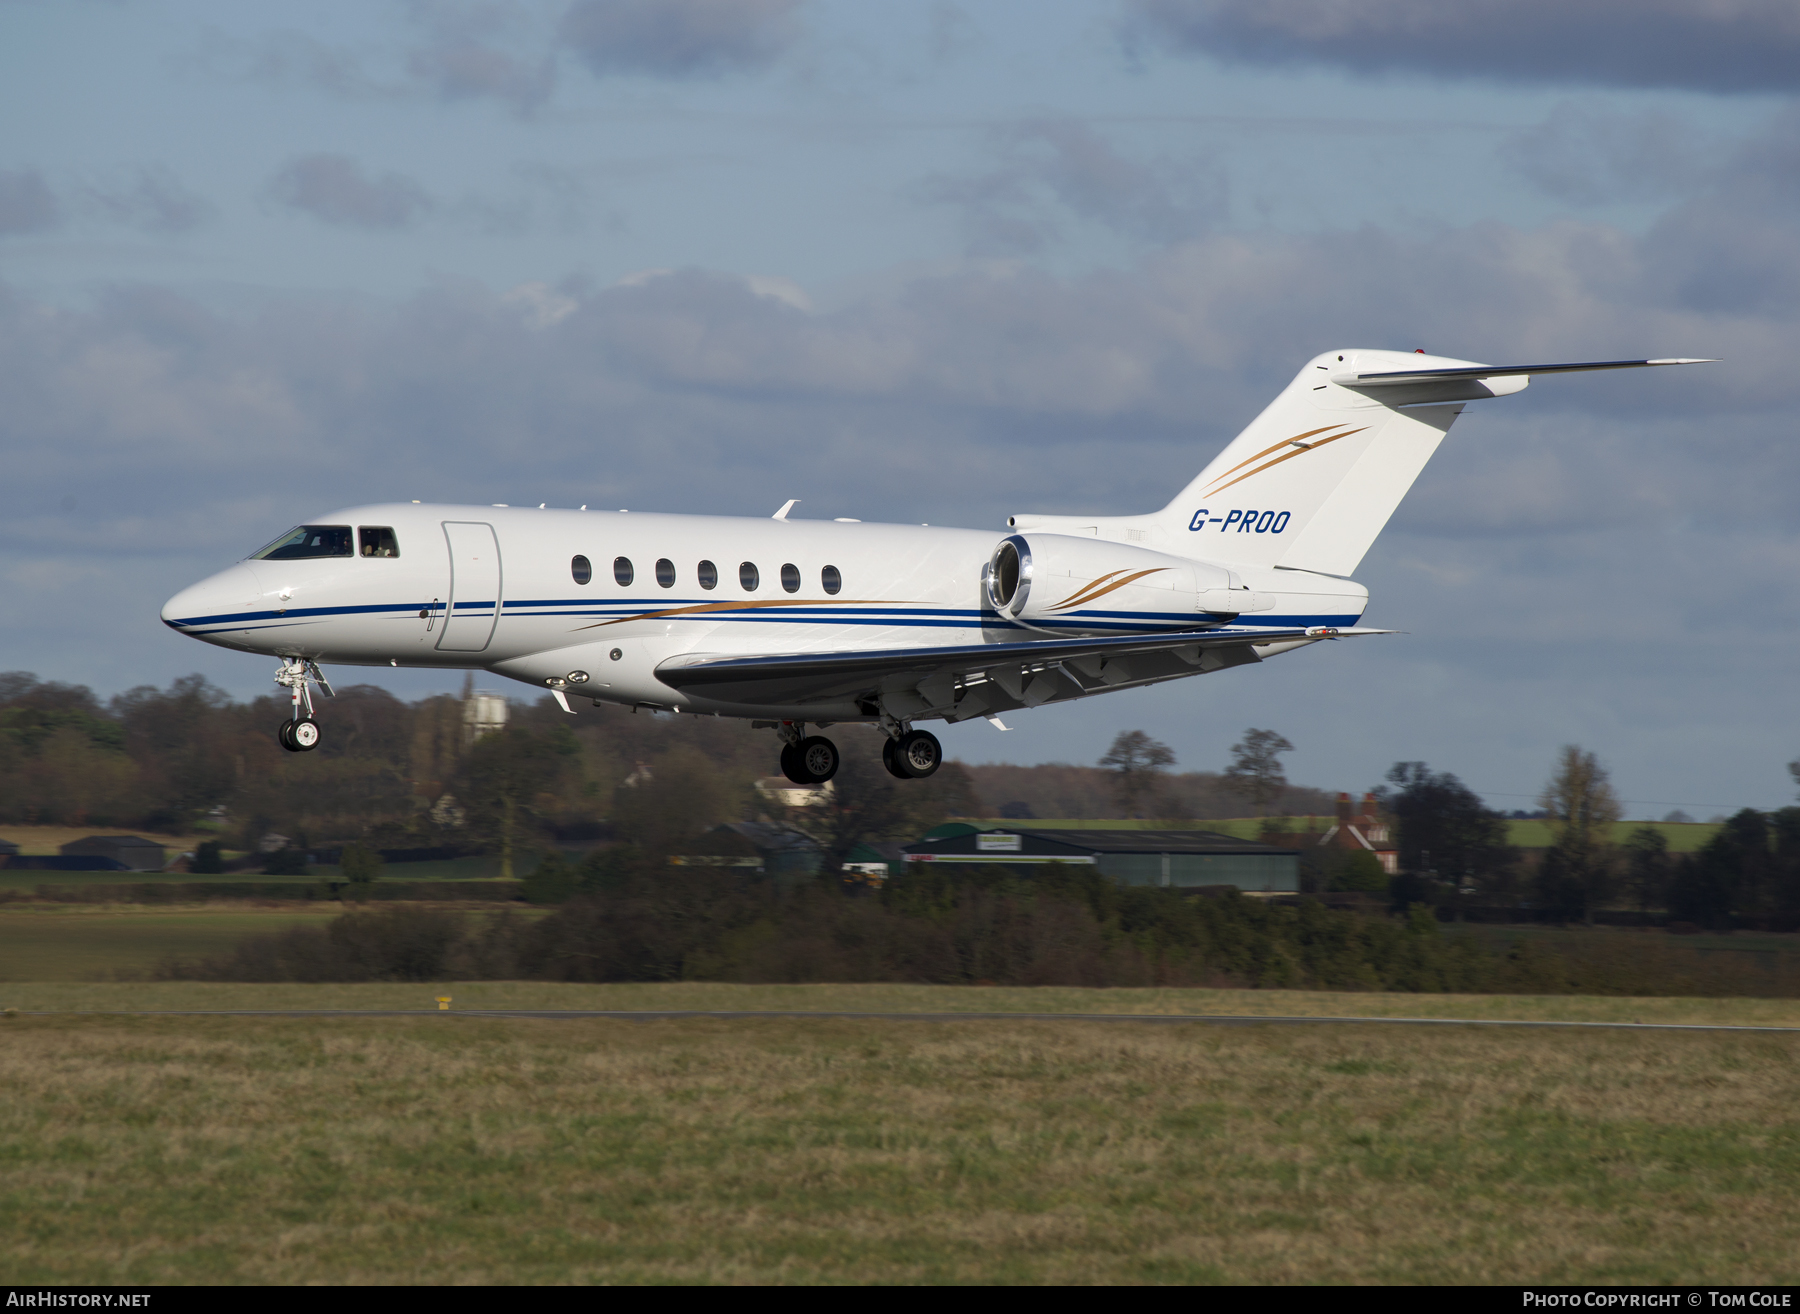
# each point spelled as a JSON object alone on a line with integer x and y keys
{"x": 1069, "y": 585}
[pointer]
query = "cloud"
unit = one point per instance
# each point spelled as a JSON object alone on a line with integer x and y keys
{"x": 1585, "y": 155}
{"x": 1603, "y": 558}
{"x": 680, "y": 38}
{"x": 1721, "y": 46}
{"x": 335, "y": 190}
{"x": 446, "y": 51}
{"x": 27, "y": 205}
{"x": 1050, "y": 172}
{"x": 466, "y": 56}
{"x": 150, "y": 199}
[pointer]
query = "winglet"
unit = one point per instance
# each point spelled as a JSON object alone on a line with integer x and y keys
{"x": 786, "y": 507}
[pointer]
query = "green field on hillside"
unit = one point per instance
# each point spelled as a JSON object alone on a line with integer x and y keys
{"x": 447, "y": 1149}
{"x": 1682, "y": 837}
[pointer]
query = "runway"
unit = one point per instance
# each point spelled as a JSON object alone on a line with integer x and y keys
{"x": 679, "y": 1015}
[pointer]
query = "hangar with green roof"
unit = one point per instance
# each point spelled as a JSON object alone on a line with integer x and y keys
{"x": 1186, "y": 859}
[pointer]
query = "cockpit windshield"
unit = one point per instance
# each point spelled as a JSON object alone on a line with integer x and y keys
{"x": 308, "y": 541}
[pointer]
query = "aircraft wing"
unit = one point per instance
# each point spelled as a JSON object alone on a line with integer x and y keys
{"x": 936, "y": 679}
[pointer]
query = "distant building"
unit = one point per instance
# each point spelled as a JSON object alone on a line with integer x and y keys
{"x": 1179, "y": 858}
{"x": 130, "y": 851}
{"x": 779, "y": 851}
{"x": 779, "y": 789}
{"x": 871, "y": 862}
{"x": 483, "y": 714}
{"x": 7, "y": 848}
{"x": 1362, "y": 828}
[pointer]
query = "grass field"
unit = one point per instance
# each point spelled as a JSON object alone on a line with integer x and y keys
{"x": 75, "y": 942}
{"x": 61, "y": 996}
{"x": 450, "y": 1149}
{"x": 478, "y": 868}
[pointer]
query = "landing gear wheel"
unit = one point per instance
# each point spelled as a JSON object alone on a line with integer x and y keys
{"x": 792, "y": 767}
{"x": 918, "y": 753}
{"x": 818, "y": 759}
{"x": 285, "y": 735}
{"x": 303, "y": 735}
{"x": 891, "y": 761}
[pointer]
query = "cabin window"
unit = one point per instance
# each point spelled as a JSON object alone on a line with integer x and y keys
{"x": 308, "y": 541}
{"x": 622, "y": 570}
{"x": 748, "y": 577}
{"x": 665, "y": 573}
{"x": 790, "y": 577}
{"x": 830, "y": 578}
{"x": 581, "y": 568}
{"x": 708, "y": 574}
{"x": 378, "y": 542}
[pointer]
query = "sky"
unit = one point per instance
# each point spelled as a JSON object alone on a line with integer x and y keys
{"x": 929, "y": 261}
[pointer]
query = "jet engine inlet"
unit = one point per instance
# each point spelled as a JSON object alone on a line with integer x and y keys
{"x": 1009, "y": 576}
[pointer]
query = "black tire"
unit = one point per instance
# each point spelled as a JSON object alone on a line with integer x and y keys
{"x": 919, "y": 754}
{"x": 890, "y": 761}
{"x": 304, "y": 735}
{"x": 285, "y": 736}
{"x": 818, "y": 758}
{"x": 792, "y": 767}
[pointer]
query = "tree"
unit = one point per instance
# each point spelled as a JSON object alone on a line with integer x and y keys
{"x": 1137, "y": 762}
{"x": 1443, "y": 826}
{"x": 1361, "y": 871}
{"x": 681, "y": 796}
{"x": 361, "y": 866}
{"x": 502, "y": 778}
{"x": 1647, "y": 866}
{"x": 1255, "y": 772}
{"x": 1577, "y": 873}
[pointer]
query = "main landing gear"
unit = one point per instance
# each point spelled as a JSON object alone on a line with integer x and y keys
{"x": 300, "y": 733}
{"x": 813, "y": 759}
{"x": 913, "y": 756}
{"x": 806, "y": 759}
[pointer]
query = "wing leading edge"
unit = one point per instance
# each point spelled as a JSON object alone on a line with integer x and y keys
{"x": 964, "y": 681}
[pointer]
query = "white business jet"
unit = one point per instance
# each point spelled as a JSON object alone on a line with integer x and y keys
{"x": 793, "y": 622}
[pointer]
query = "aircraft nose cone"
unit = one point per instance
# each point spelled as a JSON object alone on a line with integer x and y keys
{"x": 211, "y": 602}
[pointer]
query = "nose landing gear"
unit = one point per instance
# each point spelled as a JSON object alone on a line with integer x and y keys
{"x": 300, "y": 733}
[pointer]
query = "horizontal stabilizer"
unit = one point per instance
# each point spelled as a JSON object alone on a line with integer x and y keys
{"x": 1390, "y": 377}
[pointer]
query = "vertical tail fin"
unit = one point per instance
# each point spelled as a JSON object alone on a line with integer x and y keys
{"x": 1312, "y": 482}
{"x": 1313, "y": 479}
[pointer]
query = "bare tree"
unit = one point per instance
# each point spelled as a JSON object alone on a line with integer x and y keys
{"x": 1255, "y": 771}
{"x": 1137, "y": 761}
{"x": 1577, "y": 872}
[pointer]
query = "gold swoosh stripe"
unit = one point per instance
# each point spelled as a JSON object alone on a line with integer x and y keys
{"x": 1278, "y": 460}
{"x": 1079, "y": 595}
{"x": 697, "y": 608}
{"x": 1299, "y": 437}
{"x": 1080, "y": 601}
